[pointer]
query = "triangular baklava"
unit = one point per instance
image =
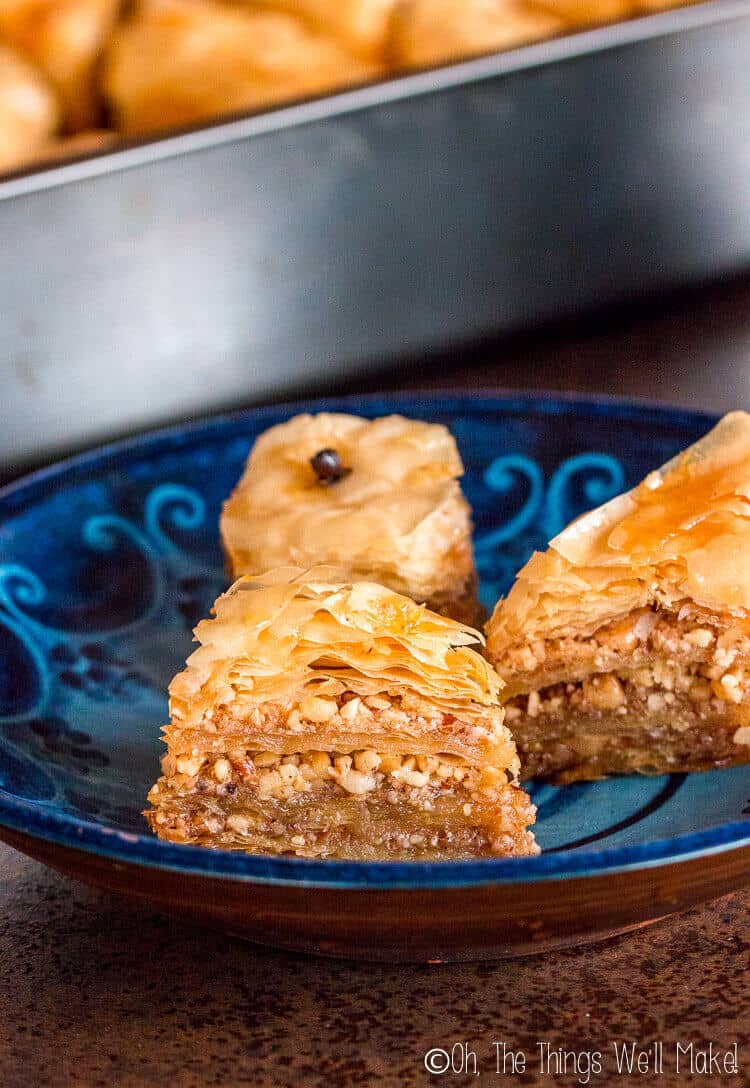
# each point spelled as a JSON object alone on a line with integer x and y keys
{"x": 379, "y": 498}
{"x": 626, "y": 645}
{"x": 335, "y": 719}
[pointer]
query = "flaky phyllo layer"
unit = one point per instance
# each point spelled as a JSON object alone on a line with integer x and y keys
{"x": 682, "y": 535}
{"x": 331, "y": 718}
{"x": 390, "y": 510}
{"x": 625, "y": 646}
{"x": 302, "y": 633}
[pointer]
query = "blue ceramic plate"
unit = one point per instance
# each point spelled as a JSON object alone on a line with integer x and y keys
{"x": 107, "y": 562}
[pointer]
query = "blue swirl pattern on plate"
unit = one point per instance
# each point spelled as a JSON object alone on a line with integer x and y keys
{"x": 109, "y": 560}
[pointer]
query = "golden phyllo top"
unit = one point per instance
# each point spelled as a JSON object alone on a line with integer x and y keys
{"x": 294, "y": 629}
{"x": 379, "y": 498}
{"x": 681, "y": 534}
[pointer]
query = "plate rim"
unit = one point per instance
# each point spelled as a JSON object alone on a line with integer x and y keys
{"x": 119, "y": 846}
{"x": 39, "y": 821}
{"x": 539, "y": 400}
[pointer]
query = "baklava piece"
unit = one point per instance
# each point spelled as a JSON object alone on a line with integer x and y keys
{"x": 360, "y": 25}
{"x": 379, "y": 498}
{"x": 176, "y": 62}
{"x": 29, "y": 111}
{"x": 65, "y": 38}
{"x": 427, "y": 32}
{"x": 626, "y": 645}
{"x": 327, "y": 719}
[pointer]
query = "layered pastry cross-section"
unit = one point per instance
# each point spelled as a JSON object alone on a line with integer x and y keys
{"x": 626, "y": 645}
{"x": 378, "y": 498}
{"x": 326, "y": 718}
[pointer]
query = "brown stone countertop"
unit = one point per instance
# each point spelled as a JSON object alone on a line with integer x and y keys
{"x": 96, "y": 992}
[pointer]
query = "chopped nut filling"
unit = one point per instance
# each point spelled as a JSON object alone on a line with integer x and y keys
{"x": 338, "y": 814}
{"x": 279, "y": 776}
{"x": 653, "y": 692}
{"x": 648, "y": 689}
{"x": 346, "y": 718}
{"x": 688, "y": 635}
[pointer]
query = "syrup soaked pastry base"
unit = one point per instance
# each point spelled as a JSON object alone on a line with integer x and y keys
{"x": 333, "y": 719}
{"x": 358, "y": 803}
{"x": 626, "y": 646}
{"x": 379, "y": 498}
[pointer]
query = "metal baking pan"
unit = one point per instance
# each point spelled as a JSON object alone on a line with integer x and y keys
{"x": 283, "y": 250}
